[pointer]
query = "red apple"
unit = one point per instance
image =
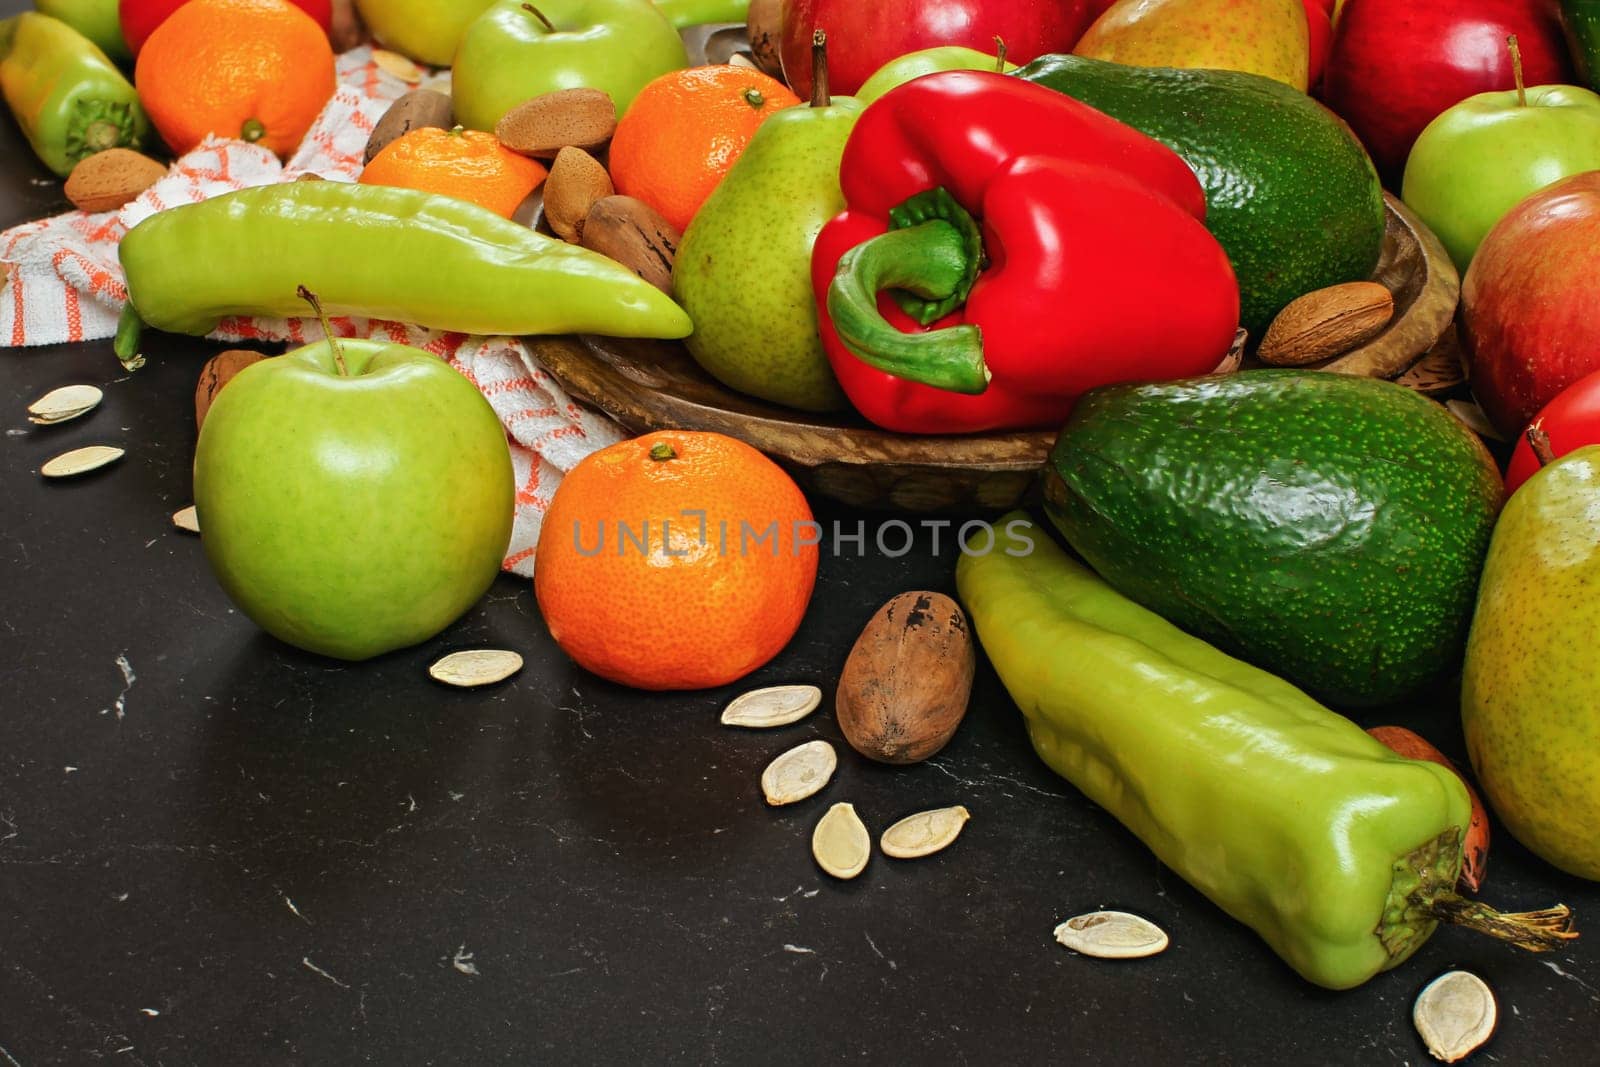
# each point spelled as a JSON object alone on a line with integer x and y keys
{"x": 1571, "y": 420}
{"x": 1530, "y": 302}
{"x": 863, "y": 36}
{"x": 1396, "y": 64}
{"x": 1320, "y": 25}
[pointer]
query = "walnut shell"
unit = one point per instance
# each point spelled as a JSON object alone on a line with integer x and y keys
{"x": 906, "y": 684}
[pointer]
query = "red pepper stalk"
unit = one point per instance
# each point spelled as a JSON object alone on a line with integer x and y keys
{"x": 1091, "y": 263}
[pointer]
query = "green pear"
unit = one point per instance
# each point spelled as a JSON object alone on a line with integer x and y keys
{"x": 1266, "y": 37}
{"x": 1530, "y": 695}
{"x": 743, "y": 269}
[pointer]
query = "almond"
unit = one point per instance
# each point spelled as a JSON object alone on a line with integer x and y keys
{"x": 107, "y": 180}
{"x": 576, "y": 181}
{"x": 219, "y": 370}
{"x": 1326, "y": 323}
{"x": 543, "y": 126}
{"x": 635, "y": 235}
{"x": 418, "y": 109}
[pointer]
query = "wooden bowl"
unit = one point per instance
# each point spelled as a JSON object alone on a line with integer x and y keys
{"x": 653, "y": 385}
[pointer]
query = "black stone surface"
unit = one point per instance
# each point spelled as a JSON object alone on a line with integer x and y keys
{"x": 235, "y": 853}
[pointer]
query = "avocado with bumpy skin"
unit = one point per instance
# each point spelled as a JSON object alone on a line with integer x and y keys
{"x": 1290, "y": 193}
{"x": 1329, "y": 529}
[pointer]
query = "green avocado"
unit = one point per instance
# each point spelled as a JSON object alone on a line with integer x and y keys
{"x": 1329, "y": 529}
{"x": 1291, "y": 195}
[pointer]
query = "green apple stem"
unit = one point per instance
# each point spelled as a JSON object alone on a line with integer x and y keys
{"x": 999, "y": 54}
{"x": 1539, "y": 441}
{"x": 1516, "y": 69}
{"x": 819, "y": 70}
{"x": 549, "y": 26}
{"x": 327, "y": 328}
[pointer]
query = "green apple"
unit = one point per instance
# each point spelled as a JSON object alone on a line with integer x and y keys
{"x": 1530, "y": 695}
{"x": 426, "y": 30}
{"x": 928, "y": 61}
{"x": 516, "y": 51}
{"x": 356, "y": 502}
{"x": 1485, "y": 155}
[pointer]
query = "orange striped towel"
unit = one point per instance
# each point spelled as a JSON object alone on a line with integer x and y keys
{"x": 65, "y": 285}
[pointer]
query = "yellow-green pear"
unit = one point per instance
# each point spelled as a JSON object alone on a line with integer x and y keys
{"x": 1266, "y": 37}
{"x": 1530, "y": 694}
{"x": 743, "y": 269}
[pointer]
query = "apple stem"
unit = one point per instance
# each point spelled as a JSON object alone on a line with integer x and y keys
{"x": 1539, "y": 441}
{"x": 549, "y": 26}
{"x": 1516, "y": 69}
{"x": 819, "y": 70}
{"x": 327, "y": 328}
{"x": 999, "y": 54}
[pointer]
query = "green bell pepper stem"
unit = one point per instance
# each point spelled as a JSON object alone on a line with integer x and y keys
{"x": 130, "y": 330}
{"x": 928, "y": 260}
{"x": 682, "y": 13}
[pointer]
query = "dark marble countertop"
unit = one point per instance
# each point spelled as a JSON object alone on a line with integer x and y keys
{"x": 217, "y": 850}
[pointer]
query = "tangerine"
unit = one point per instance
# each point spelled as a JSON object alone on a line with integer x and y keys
{"x": 259, "y": 70}
{"x": 466, "y": 164}
{"x": 685, "y": 130}
{"x": 676, "y": 560}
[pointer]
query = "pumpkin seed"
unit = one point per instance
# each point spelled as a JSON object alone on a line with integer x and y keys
{"x": 840, "y": 842}
{"x": 80, "y": 461}
{"x": 1112, "y": 935}
{"x": 924, "y": 833}
{"x": 482, "y": 666}
{"x": 60, "y": 405}
{"x": 187, "y": 519}
{"x": 780, "y": 705}
{"x": 398, "y": 65}
{"x": 799, "y": 773}
{"x": 1455, "y": 1015}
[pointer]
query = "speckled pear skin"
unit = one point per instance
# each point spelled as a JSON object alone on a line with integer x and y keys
{"x": 743, "y": 271}
{"x": 1530, "y": 694}
{"x": 1266, "y": 37}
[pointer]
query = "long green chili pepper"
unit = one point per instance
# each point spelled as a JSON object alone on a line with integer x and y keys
{"x": 377, "y": 252}
{"x": 70, "y": 100}
{"x": 1342, "y": 855}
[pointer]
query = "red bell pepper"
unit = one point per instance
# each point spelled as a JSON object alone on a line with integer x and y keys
{"x": 1091, "y": 263}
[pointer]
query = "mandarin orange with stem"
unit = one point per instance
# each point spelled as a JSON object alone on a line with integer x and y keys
{"x": 257, "y": 70}
{"x": 676, "y": 560}
{"x": 466, "y": 164}
{"x": 685, "y": 130}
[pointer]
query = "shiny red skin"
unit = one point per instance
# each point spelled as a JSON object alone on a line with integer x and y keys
{"x": 140, "y": 18}
{"x": 1396, "y": 65}
{"x": 1530, "y": 303}
{"x": 1084, "y": 221}
{"x": 1572, "y": 420}
{"x": 1320, "y": 27}
{"x": 863, "y": 35}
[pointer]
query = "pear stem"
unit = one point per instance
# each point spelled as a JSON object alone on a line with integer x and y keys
{"x": 1539, "y": 441}
{"x": 549, "y": 26}
{"x": 327, "y": 328}
{"x": 999, "y": 54}
{"x": 1516, "y": 69}
{"x": 819, "y": 70}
